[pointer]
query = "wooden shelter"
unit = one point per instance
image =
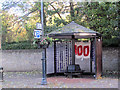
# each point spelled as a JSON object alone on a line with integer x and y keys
{"x": 73, "y": 32}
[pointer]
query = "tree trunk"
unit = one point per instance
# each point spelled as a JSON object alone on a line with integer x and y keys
{"x": 71, "y": 9}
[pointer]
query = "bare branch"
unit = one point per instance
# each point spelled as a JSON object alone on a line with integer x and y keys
{"x": 20, "y": 18}
{"x": 56, "y": 11}
{"x": 30, "y": 12}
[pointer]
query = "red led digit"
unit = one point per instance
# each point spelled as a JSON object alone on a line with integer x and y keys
{"x": 79, "y": 49}
{"x": 76, "y": 50}
{"x": 86, "y": 47}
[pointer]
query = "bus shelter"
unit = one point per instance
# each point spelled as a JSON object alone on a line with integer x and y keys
{"x": 75, "y": 41}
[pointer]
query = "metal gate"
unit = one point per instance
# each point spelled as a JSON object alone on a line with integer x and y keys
{"x": 63, "y": 55}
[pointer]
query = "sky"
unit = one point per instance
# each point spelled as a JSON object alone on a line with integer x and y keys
{"x": 16, "y": 10}
{"x": 1, "y": 3}
{"x": 13, "y": 10}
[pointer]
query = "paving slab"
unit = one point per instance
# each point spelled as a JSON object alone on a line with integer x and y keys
{"x": 33, "y": 80}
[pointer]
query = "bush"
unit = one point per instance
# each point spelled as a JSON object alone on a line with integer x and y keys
{"x": 113, "y": 42}
{"x": 19, "y": 45}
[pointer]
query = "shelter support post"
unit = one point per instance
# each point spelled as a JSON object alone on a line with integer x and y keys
{"x": 91, "y": 58}
{"x": 98, "y": 58}
{"x": 55, "y": 57}
{"x": 101, "y": 55}
{"x": 73, "y": 51}
{"x": 95, "y": 63}
{"x": 90, "y": 65}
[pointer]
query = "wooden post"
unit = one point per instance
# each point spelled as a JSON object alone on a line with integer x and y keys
{"x": 73, "y": 51}
{"x": 98, "y": 58}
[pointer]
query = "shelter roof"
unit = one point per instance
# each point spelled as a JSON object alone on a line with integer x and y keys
{"x": 73, "y": 29}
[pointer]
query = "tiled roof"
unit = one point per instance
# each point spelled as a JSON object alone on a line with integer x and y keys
{"x": 72, "y": 28}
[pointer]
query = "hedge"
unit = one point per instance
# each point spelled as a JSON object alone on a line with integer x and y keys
{"x": 19, "y": 45}
{"x": 115, "y": 42}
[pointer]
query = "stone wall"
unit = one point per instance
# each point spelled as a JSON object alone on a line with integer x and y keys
{"x": 110, "y": 59}
{"x": 21, "y": 60}
{"x": 28, "y": 60}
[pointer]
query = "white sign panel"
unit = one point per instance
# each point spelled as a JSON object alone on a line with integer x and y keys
{"x": 82, "y": 49}
{"x": 38, "y": 26}
{"x": 37, "y": 33}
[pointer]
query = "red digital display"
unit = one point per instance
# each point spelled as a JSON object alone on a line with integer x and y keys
{"x": 79, "y": 50}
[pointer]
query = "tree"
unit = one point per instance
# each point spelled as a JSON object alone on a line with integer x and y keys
{"x": 99, "y": 16}
{"x": 34, "y": 12}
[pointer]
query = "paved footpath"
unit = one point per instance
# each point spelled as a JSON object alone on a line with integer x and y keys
{"x": 33, "y": 80}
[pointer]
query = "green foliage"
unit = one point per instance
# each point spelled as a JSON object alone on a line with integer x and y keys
{"x": 99, "y": 16}
{"x": 58, "y": 22}
{"x": 113, "y": 42}
{"x": 43, "y": 41}
{"x": 51, "y": 28}
{"x": 103, "y": 18}
{"x": 19, "y": 45}
{"x": 49, "y": 39}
